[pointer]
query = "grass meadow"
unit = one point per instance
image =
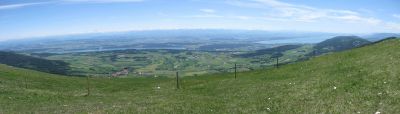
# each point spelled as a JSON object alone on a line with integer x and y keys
{"x": 363, "y": 80}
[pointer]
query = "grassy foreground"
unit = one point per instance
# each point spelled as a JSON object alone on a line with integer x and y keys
{"x": 363, "y": 80}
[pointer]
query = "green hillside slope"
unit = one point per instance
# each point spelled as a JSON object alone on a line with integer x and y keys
{"x": 362, "y": 80}
{"x": 340, "y": 43}
{"x": 23, "y": 61}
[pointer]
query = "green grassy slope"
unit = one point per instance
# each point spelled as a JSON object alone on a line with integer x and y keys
{"x": 366, "y": 81}
{"x": 340, "y": 43}
{"x": 24, "y": 61}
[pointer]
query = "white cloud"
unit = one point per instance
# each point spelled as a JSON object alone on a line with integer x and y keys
{"x": 392, "y": 25}
{"x": 277, "y": 10}
{"x": 21, "y": 5}
{"x": 366, "y": 11}
{"x": 274, "y": 10}
{"x": 102, "y": 1}
{"x": 211, "y": 13}
{"x": 207, "y": 16}
{"x": 396, "y": 16}
{"x": 241, "y": 17}
{"x": 354, "y": 18}
{"x": 208, "y": 10}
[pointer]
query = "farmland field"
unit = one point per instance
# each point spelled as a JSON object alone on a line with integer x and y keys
{"x": 162, "y": 62}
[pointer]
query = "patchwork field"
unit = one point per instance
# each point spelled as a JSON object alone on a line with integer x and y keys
{"x": 166, "y": 62}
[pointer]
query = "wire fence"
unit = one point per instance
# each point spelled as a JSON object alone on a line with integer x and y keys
{"x": 234, "y": 67}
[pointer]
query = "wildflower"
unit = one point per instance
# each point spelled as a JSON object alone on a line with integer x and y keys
{"x": 334, "y": 87}
{"x": 268, "y": 109}
{"x": 358, "y": 112}
{"x": 377, "y": 112}
{"x": 269, "y": 98}
{"x": 290, "y": 83}
{"x": 379, "y": 93}
{"x": 384, "y": 82}
{"x": 158, "y": 87}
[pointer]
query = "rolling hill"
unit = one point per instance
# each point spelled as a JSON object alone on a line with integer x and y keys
{"x": 362, "y": 80}
{"x": 29, "y": 62}
{"x": 271, "y": 51}
{"x": 340, "y": 43}
{"x": 380, "y": 36}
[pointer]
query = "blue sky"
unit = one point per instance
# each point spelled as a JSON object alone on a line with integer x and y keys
{"x": 35, "y": 18}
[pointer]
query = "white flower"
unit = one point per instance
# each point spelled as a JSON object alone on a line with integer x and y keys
{"x": 377, "y": 112}
{"x": 290, "y": 83}
{"x": 269, "y": 98}
{"x": 358, "y": 112}
{"x": 158, "y": 87}
{"x": 379, "y": 93}
{"x": 268, "y": 109}
{"x": 384, "y": 82}
{"x": 334, "y": 87}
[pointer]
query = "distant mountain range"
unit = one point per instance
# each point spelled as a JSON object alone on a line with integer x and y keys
{"x": 157, "y": 37}
{"x": 170, "y": 39}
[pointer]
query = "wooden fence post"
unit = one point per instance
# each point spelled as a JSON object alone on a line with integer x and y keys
{"x": 26, "y": 83}
{"x": 277, "y": 62}
{"x": 177, "y": 80}
{"x": 88, "y": 86}
{"x": 235, "y": 71}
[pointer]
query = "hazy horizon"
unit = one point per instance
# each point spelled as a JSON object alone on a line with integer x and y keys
{"x": 21, "y": 19}
{"x": 179, "y": 29}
